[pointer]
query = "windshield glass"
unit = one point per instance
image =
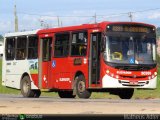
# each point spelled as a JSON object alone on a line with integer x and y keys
{"x": 131, "y": 50}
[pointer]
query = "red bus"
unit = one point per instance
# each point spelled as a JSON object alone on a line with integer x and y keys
{"x": 114, "y": 57}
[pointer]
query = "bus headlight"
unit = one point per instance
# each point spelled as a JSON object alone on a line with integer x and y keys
{"x": 149, "y": 77}
{"x": 112, "y": 74}
{"x": 117, "y": 76}
{"x": 155, "y": 73}
{"x": 107, "y": 71}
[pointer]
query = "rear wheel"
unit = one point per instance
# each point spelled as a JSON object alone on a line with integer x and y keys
{"x": 126, "y": 93}
{"x": 37, "y": 93}
{"x": 66, "y": 94}
{"x": 26, "y": 88}
{"x": 81, "y": 90}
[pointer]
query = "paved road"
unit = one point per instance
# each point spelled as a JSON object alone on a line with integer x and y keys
{"x": 13, "y": 104}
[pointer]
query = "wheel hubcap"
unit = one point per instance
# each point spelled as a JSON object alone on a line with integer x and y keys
{"x": 81, "y": 86}
{"x": 26, "y": 87}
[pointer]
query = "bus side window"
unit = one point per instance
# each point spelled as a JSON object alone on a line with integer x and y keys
{"x": 79, "y": 44}
{"x": 10, "y": 48}
{"x": 61, "y": 47}
{"x": 21, "y": 48}
{"x": 32, "y": 47}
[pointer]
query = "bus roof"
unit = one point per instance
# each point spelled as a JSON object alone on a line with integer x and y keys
{"x": 69, "y": 28}
{"x": 86, "y": 26}
{"x": 13, "y": 34}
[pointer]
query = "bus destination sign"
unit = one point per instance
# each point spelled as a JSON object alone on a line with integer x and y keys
{"x": 127, "y": 28}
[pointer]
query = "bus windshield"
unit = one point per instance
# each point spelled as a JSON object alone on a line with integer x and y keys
{"x": 134, "y": 49}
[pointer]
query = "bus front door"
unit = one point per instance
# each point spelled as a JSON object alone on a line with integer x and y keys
{"x": 94, "y": 64}
{"x": 45, "y": 62}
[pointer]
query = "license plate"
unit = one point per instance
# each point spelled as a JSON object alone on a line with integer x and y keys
{"x": 133, "y": 83}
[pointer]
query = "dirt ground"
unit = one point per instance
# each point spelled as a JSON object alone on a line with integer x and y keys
{"x": 44, "y": 105}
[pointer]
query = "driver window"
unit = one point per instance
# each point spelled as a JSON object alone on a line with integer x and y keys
{"x": 115, "y": 48}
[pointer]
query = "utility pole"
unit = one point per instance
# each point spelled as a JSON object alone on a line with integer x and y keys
{"x": 58, "y": 21}
{"x": 130, "y": 16}
{"x": 41, "y": 22}
{"x": 15, "y": 19}
{"x": 95, "y": 18}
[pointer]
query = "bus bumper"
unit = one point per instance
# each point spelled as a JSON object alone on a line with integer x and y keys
{"x": 109, "y": 82}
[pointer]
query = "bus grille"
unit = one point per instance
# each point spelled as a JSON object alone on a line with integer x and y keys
{"x": 133, "y": 68}
{"x": 133, "y": 76}
{"x": 128, "y": 83}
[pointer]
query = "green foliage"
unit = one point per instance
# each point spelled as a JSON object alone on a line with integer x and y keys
{"x": 158, "y": 60}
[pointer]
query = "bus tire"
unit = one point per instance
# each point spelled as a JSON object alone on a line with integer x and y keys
{"x": 66, "y": 94}
{"x": 126, "y": 93}
{"x": 26, "y": 87}
{"x": 81, "y": 90}
{"x": 37, "y": 93}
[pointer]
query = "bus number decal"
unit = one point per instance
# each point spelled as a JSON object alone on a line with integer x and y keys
{"x": 8, "y": 63}
{"x": 77, "y": 61}
{"x": 145, "y": 73}
{"x": 64, "y": 79}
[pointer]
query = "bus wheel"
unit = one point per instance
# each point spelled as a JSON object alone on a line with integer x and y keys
{"x": 26, "y": 87}
{"x": 66, "y": 94}
{"x": 81, "y": 90}
{"x": 126, "y": 93}
{"x": 37, "y": 93}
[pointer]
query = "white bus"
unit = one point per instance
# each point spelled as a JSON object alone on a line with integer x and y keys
{"x": 20, "y": 52}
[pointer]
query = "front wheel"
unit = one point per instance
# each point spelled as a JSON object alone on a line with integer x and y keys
{"x": 81, "y": 90}
{"x": 126, "y": 93}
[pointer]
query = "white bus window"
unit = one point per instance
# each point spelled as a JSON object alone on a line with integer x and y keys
{"x": 21, "y": 48}
{"x": 33, "y": 47}
{"x": 10, "y": 48}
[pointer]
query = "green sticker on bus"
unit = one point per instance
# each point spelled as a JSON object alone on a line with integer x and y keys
{"x": 33, "y": 66}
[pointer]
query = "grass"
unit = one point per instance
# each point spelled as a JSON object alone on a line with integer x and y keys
{"x": 138, "y": 94}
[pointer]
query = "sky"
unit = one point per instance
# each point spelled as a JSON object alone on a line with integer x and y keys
{"x": 37, "y": 14}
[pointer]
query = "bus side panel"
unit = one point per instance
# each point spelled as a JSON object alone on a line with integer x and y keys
{"x": 15, "y": 71}
{"x": 65, "y": 70}
{"x": 61, "y": 74}
{"x": 34, "y": 78}
{"x": 55, "y": 74}
{"x": 33, "y": 71}
{"x": 13, "y": 81}
{"x": 83, "y": 68}
{"x": 45, "y": 74}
